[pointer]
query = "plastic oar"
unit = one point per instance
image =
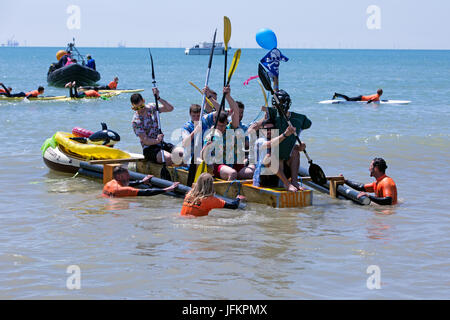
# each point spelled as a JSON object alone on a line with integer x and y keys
{"x": 237, "y": 55}
{"x": 193, "y": 166}
{"x": 316, "y": 173}
{"x": 164, "y": 171}
{"x": 226, "y": 39}
{"x": 207, "y": 100}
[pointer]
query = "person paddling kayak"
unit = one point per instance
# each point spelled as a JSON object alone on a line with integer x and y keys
{"x": 369, "y": 98}
{"x": 121, "y": 186}
{"x": 201, "y": 200}
{"x": 384, "y": 187}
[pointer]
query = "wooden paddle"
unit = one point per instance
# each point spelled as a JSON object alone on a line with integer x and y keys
{"x": 193, "y": 166}
{"x": 237, "y": 55}
{"x": 165, "y": 175}
{"x": 316, "y": 173}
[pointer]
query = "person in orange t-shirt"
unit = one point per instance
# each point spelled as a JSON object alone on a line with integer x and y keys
{"x": 369, "y": 98}
{"x": 384, "y": 187}
{"x": 201, "y": 200}
{"x": 121, "y": 186}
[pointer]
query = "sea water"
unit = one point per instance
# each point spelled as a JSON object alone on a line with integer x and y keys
{"x": 142, "y": 249}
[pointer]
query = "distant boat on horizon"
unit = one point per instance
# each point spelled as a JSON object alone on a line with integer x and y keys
{"x": 10, "y": 43}
{"x": 121, "y": 44}
{"x": 204, "y": 48}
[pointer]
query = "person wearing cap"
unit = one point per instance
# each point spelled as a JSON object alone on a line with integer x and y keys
{"x": 90, "y": 62}
{"x": 384, "y": 187}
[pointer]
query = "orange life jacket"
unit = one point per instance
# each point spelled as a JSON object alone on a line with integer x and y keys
{"x": 373, "y": 97}
{"x": 33, "y": 93}
{"x": 112, "y": 85}
{"x": 92, "y": 93}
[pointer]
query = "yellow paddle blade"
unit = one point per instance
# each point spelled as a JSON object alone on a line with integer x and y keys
{"x": 264, "y": 93}
{"x": 234, "y": 63}
{"x": 226, "y": 31}
{"x": 207, "y": 100}
{"x": 202, "y": 168}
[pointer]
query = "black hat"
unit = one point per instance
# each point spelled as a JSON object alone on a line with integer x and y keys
{"x": 283, "y": 98}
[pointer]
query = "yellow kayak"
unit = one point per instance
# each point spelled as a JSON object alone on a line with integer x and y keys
{"x": 88, "y": 151}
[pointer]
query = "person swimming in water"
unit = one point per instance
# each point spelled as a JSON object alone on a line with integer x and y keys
{"x": 384, "y": 187}
{"x": 369, "y": 98}
{"x": 201, "y": 200}
{"x": 121, "y": 186}
{"x": 31, "y": 94}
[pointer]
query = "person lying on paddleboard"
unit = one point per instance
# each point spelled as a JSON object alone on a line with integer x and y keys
{"x": 369, "y": 99}
{"x": 263, "y": 151}
{"x": 201, "y": 200}
{"x": 289, "y": 151}
{"x": 146, "y": 127}
{"x": 73, "y": 92}
{"x": 31, "y": 94}
{"x": 384, "y": 187}
{"x": 111, "y": 86}
{"x": 5, "y": 91}
{"x": 121, "y": 186}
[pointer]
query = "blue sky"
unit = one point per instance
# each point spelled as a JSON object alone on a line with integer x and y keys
{"x": 404, "y": 24}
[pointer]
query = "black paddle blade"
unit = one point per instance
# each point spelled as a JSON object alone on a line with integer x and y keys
{"x": 165, "y": 174}
{"x": 153, "y": 69}
{"x": 317, "y": 175}
{"x": 264, "y": 77}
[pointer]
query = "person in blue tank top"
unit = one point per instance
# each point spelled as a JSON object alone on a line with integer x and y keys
{"x": 90, "y": 62}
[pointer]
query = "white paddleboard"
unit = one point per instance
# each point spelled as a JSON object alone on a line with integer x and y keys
{"x": 365, "y": 102}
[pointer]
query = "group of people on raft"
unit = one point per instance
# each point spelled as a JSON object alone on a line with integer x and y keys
{"x": 269, "y": 149}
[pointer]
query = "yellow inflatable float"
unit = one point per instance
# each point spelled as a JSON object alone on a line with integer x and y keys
{"x": 88, "y": 151}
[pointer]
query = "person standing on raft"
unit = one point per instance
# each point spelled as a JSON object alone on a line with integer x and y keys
{"x": 121, "y": 186}
{"x": 146, "y": 127}
{"x": 384, "y": 187}
{"x": 369, "y": 99}
{"x": 201, "y": 200}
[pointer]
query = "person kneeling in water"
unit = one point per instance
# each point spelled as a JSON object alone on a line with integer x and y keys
{"x": 201, "y": 200}
{"x": 75, "y": 94}
{"x": 121, "y": 186}
{"x": 384, "y": 188}
{"x": 369, "y": 99}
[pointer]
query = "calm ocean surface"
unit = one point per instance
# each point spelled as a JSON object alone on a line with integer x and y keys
{"x": 142, "y": 248}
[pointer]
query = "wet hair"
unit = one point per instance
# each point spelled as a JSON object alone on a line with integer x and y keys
{"x": 380, "y": 91}
{"x": 203, "y": 188}
{"x": 118, "y": 171}
{"x": 223, "y": 117}
{"x": 380, "y": 164}
{"x": 240, "y": 105}
{"x": 194, "y": 108}
{"x": 41, "y": 88}
{"x": 136, "y": 98}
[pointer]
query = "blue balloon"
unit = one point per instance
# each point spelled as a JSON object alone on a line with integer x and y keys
{"x": 266, "y": 38}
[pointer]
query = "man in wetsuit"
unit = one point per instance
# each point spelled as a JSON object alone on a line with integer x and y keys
{"x": 369, "y": 99}
{"x": 110, "y": 86}
{"x": 5, "y": 91}
{"x": 82, "y": 94}
{"x": 31, "y": 94}
{"x": 384, "y": 187}
{"x": 121, "y": 186}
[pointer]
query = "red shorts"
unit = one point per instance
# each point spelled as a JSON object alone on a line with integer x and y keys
{"x": 217, "y": 167}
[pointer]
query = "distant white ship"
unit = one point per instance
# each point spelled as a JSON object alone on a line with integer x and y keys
{"x": 205, "y": 48}
{"x": 11, "y": 43}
